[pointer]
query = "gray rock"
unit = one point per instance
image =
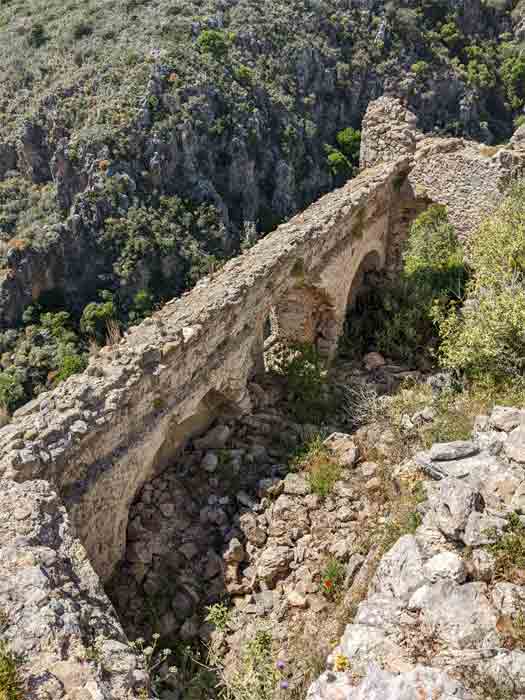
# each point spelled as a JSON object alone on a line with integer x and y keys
{"x": 506, "y": 418}
{"x": 445, "y": 451}
{"x": 296, "y": 485}
{"x": 52, "y": 601}
{"x": 509, "y": 599}
{"x": 514, "y": 446}
{"x": 354, "y": 564}
{"x": 373, "y": 360}
{"x": 363, "y": 643}
{"x": 483, "y": 529}
{"x": 215, "y": 439}
{"x": 343, "y": 448}
{"x": 264, "y": 602}
{"x": 210, "y": 462}
{"x": 482, "y": 565}
{"x": 400, "y": 571}
{"x": 452, "y": 505}
{"x": 274, "y": 564}
{"x": 427, "y": 415}
{"x": 507, "y": 671}
{"x": 445, "y": 566}
{"x": 417, "y": 684}
{"x": 460, "y": 616}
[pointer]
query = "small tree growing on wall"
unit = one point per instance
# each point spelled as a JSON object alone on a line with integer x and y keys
{"x": 303, "y": 369}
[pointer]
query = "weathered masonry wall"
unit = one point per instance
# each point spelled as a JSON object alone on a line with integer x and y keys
{"x": 101, "y": 435}
{"x": 92, "y": 443}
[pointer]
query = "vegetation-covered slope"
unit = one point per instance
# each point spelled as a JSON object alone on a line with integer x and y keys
{"x": 142, "y": 141}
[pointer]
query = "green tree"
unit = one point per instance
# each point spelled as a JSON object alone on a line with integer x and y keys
{"x": 95, "y": 318}
{"x": 12, "y": 391}
{"x": 214, "y": 42}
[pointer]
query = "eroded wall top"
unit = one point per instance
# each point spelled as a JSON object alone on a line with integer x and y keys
{"x": 467, "y": 177}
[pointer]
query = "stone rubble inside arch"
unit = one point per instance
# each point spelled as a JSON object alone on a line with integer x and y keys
{"x": 228, "y": 519}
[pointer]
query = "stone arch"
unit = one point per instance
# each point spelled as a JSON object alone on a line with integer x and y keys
{"x": 304, "y": 314}
{"x": 178, "y": 432}
{"x": 104, "y": 506}
{"x": 372, "y": 261}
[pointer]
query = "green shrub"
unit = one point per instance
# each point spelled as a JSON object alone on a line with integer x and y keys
{"x": 11, "y": 684}
{"x": 349, "y": 142}
{"x": 143, "y": 305}
{"x": 485, "y": 336}
{"x": 399, "y": 318}
{"x": 213, "y": 41}
{"x": 338, "y": 163}
{"x": 244, "y": 75}
{"x": 509, "y": 550}
{"x": 255, "y": 675}
{"x": 37, "y": 36}
{"x": 305, "y": 374}
{"x": 433, "y": 250}
{"x": 11, "y": 391}
{"x": 218, "y": 615}
{"x": 322, "y": 470}
{"x": 513, "y": 76}
{"x": 420, "y": 68}
{"x": 69, "y": 365}
{"x": 332, "y": 578}
{"x": 344, "y": 160}
{"x": 95, "y": 318}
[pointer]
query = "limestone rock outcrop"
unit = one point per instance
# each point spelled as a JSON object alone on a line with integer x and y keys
{"x": 436, "y": 618}
{"x": 54, "y": 613}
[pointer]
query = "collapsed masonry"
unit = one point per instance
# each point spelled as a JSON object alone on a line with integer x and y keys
{"x": 100, "y": 436}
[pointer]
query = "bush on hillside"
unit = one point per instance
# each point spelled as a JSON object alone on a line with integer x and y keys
{"x": 486, "y": 336}
{"x": 344, "y": 160}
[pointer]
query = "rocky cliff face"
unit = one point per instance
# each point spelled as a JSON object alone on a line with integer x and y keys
{"x": 220, "y": 105}
{"x": 55, "y": 617}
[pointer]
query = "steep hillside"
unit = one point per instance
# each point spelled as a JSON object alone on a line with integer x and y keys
{"x": 143, "y": 142}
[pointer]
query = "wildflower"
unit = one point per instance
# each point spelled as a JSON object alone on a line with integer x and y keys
{"x": 328, "y": 584}
{"x": 284, "y": 685}
{"x": 341, "y": 662}
{"x": 280, "y": 664}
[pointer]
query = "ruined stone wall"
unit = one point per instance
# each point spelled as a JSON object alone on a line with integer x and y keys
{"x": 467, "y": 177}
{"x": 99, "y": 436}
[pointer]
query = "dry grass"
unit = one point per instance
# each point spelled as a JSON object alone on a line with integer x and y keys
{"x": 113, "y": 332}
{"x": 455, "y": 414}
{"x": 489, "y": 151}
{"x": 4, "y": 416}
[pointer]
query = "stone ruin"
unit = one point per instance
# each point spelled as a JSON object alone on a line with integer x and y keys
{"x": 73, "y": 460}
